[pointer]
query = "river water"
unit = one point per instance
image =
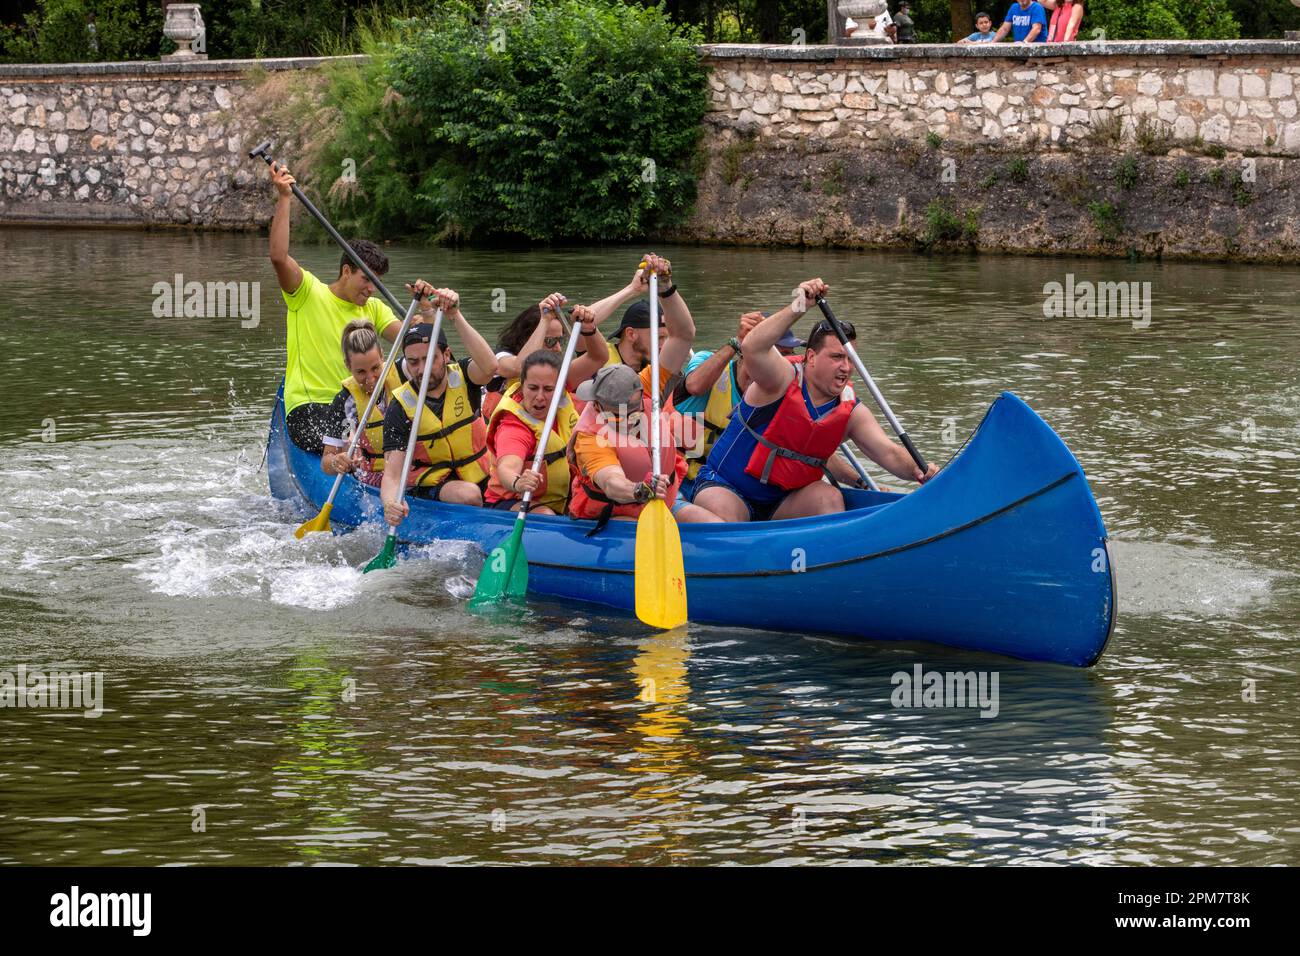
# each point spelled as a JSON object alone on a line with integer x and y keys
{"x": 263, "y": 703}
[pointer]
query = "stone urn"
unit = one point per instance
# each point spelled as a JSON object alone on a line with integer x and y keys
{"x": 184, "y": 26}
{"x": 861, "y": 11}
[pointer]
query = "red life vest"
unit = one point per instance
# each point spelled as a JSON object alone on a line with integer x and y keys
{"x": 791, "y": 452}
{"x": 586, "y": 500}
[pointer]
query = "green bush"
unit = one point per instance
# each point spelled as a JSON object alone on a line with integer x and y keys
{"x": 569, "y": 121}
{"x": 1107, "y": 219}
{"x": 56, "y": 32}
{"x": 944, "y": 225}
{"x": 1160, "y": 20}
{"x": 1126, "y": 173}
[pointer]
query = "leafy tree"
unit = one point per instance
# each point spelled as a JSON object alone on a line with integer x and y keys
{"x": 56, "y": 31}
{"x": 1162, "y": 19}
{"x": 573, "y": 120}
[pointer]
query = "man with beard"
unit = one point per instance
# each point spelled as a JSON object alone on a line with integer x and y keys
{"x": 451, "y": 457}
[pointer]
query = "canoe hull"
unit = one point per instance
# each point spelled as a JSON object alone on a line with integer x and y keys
{"x": 1003, "y": 552}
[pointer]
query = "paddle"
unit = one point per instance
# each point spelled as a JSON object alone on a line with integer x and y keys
{"x": 857, "y": 466}
{"x": 322, "y": 521}
{"x": 264, "y": 151}
{"x": 871, "y": 385}
{"x": 387, "y": 556}
{"x": 660, "y": 575}
{"x": 505, "y": 572}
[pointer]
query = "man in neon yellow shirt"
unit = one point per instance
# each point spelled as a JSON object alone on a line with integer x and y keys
{"x": 318, "y": 314}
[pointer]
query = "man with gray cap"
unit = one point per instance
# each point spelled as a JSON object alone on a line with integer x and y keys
{"x": 610, "y": 455}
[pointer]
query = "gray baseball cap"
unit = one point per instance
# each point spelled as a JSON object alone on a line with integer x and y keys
{"x": 612, "y": 386}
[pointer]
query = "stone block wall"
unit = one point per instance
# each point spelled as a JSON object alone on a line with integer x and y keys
{"x": 1241, "y": 94}
{"x": 836, "y": 145}
{"x": 129, "y": 143}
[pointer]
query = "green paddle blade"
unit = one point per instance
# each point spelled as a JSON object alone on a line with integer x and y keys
{"x": 505, "y": 572}
{"x": 386, "y": 558}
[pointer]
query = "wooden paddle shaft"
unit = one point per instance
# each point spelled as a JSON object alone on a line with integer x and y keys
{"x": 264, "y": 150}
{"x": 871, "y": 386}
{"x": 419, "y": 407}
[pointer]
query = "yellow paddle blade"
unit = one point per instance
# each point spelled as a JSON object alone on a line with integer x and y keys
{"x": 660, "y": 576}
{"x": 319, "y": 523}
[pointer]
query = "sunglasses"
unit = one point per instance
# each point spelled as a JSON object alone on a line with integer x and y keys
{"x": 551, "y": 341}
{"x": 824, "y": 326}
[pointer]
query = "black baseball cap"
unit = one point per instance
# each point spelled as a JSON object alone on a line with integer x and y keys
{"x": 637, "y": 316}
{"x": 423, "y": 332}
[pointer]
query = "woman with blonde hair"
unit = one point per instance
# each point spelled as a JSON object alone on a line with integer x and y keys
{"x": 362, "y": 356}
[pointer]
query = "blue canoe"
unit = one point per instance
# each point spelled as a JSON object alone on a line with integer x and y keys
{"x": 1004, "y": 551}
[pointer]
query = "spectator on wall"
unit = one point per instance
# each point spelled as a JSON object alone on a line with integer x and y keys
{"x": 1026, "y": 21}
{"x": 983, "y": 30}
{"x": 1066, "y": 17}
{"x": 903, "y": 21}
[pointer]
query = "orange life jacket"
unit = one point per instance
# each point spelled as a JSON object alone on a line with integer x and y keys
{"x": 586, "y": 500}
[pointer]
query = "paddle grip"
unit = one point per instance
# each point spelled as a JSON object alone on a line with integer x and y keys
{"x": 263, "y": 150}
{"x": 911, "y": 450}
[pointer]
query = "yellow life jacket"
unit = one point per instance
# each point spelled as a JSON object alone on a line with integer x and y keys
{"x": 613, "y": 353}
{"x": 556, "y": 492}
{"x": 717, "y": 413}
{"x": 454, "y": 445}
{"x": 372, "y": 435}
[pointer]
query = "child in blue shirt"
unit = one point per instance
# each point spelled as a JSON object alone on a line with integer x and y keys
{"x": 983, "y": 30}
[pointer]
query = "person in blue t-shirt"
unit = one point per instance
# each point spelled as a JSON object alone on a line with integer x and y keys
{"x": 1026, "y": 21}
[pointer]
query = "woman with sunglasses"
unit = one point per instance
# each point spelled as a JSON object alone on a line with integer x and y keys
{"x": 539, "y": 327}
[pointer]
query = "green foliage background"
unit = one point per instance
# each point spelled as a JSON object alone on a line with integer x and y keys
{"x": 579, "y": 120}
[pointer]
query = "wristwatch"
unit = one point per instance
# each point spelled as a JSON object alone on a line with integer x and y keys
{"x": 642, "y": 492}
{"x": 735, "y": 345}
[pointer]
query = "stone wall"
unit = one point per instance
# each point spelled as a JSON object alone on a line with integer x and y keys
{"x": 1180, "y": 149}
{"x": 130, "y": 143}
{"x": 1241, "y": 94}
{"x": 1174, "y": 148}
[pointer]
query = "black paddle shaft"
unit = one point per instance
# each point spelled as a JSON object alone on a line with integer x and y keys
{"x": 264, "y": 151}
{"x": 903, "y": 437}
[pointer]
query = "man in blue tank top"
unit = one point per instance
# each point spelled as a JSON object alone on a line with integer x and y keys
{"x": 783, "y": 435}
